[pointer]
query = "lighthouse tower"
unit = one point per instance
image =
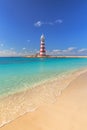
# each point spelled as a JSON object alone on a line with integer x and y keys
{"x": 42, "y": 46}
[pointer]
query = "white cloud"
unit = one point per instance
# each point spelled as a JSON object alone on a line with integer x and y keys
{"x": 40, "y": 23}
{"x": 68, "y": 51}
{"x": 56, "y": 50}
{"x": 8, "y": 53}
{"x": 11, "y": 52}
{"x": 24, "y": 51}
{"x": 82, "y": 50}
{"x": 59, "y": 21}
{"x": 65, "y": 51}
{"x": 71, "y": 48}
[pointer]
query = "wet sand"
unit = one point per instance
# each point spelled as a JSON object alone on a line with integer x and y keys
{"x": 69, "y": 112}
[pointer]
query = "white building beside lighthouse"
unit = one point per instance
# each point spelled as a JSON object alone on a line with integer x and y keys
{"x": 42, "y": 46}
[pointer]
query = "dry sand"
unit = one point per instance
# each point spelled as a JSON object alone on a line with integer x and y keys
{"x": 69, "y": 112}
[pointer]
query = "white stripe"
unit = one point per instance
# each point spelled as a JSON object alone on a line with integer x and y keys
{"x": 42, "y": 42}
{"x": 42, "y": 53}
{"x": 42, "y": 49}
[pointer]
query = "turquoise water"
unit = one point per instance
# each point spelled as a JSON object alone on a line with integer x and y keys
{"x": 17, "y": 73}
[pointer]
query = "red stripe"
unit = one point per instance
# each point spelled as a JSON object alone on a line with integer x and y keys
{"x": 42, "y": 51}
{"x": 42, "y": 44}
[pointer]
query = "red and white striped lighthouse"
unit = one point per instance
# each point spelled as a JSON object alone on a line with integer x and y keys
{"x": 42, "y": 46}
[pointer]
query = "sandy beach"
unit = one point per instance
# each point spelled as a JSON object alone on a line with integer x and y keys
{"x": 69, "y": 112}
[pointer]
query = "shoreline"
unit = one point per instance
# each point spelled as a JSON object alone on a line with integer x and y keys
{"x": 49, "y": 98}
{"x": 67, "y": 113}
{"x": 33, "y": 56}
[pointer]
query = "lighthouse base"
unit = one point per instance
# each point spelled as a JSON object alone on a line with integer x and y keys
{"x": 41, "y": 55}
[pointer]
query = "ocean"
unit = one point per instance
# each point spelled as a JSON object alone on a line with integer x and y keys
{"x": 19, "y": 75}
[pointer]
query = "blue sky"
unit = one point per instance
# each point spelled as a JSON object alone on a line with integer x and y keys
{"x": 63, "y": 22}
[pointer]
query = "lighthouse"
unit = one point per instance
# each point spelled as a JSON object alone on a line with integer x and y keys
{"x": 42, "y": 46}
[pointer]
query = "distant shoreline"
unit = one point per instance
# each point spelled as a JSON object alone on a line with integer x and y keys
{"x": 44, "y": 56}
{"x": 56, "y": 57}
